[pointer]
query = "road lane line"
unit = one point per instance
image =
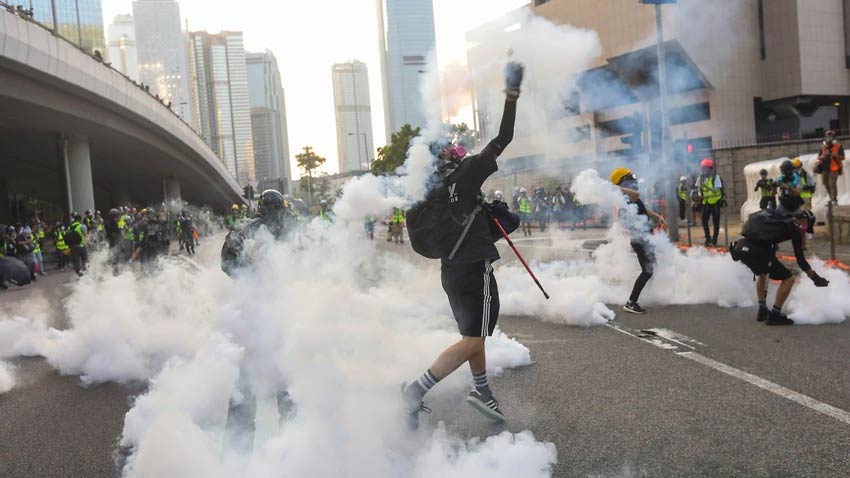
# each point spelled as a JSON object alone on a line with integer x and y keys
{"x": 787, "y": 393}
{"x": 797, "y": 397}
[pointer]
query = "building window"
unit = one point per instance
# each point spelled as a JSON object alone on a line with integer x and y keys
{"x": 761, "y": 30}
{"x": 690, "y": 114}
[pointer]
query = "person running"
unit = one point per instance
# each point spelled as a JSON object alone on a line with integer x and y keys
{"x": 762, "y": 233}
{"x": 640, "y": 229}
{"x": 712, "y": 197}
{"x": 467, "y": 277}
{"x": 768, "y": 191}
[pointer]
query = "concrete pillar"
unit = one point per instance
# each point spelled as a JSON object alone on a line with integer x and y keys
{"x": 78, "y": 173}
{"x": 172, "y": 194}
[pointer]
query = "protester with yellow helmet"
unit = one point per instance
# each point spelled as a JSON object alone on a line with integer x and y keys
{"x": 232, "y": 219}
{"x": 639, "y": 227}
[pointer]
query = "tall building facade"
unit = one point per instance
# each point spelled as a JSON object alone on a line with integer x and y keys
{"x": 353, "y": 116}
{"x": 268, "y": 122}
{"x": 121, "y": 46}
{"x": 161, "y": 46}
{"x": 783, "y": 73}
{"x": 406, "y": 39}
{"x": 220, "y": 77}
{"x": 79, "y": 21}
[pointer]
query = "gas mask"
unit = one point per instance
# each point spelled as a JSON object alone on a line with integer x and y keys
{"x": 629, "y": 183}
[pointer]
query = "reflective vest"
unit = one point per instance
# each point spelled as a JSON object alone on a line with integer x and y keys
{"x": 398, "y": 217}
{"x": 766, "y": 188}
{"x": 35, "y": 244}
{"x": 76, "y": 226}
{"x": 60, "y": 241}
{"x": 122, "y": 222}
{"x": 525, "y": 205}
{"x": 683, "y": 191}
{"x": 834, "y": 160}
{"x": 710, "y": 194}
{"x": 129, "y": 234}
{"x": 324, "y": 215}
{"x": 805, "y": 193}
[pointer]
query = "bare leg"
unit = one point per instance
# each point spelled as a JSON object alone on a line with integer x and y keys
{"x": 455, "y": 356}
{"x": 783, "y": 292}
{"x": 478, "y": 362}
{"x": 761, "y": 287}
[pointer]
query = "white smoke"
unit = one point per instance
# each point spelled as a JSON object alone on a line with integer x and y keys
{"x": 7, "y": 377}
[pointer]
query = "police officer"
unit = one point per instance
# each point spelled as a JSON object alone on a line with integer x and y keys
{"x": 274, "y": 214}
{"x": 712, "y": 197}
{"x": 762, "y": 233}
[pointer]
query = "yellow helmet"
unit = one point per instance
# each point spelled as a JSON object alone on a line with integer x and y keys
{"x": 618, "y": 174}
{"x": 234, "y": 207}
{"x": 797, "y": 163}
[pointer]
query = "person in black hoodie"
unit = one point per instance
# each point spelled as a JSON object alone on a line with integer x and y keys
{"x": 762, "y": 234}
{"x": 467, "y": 277}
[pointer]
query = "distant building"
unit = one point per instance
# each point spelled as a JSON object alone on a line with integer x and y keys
{"x": 406, "y": 38}
{"x": 353, "y": 116}
{"x": 122, "y": 52}
{"x": 78, "y": 21}
{"x": 268, "y": 122}
{"x": 161, "y": 46}
{"x": 219, "y": 73}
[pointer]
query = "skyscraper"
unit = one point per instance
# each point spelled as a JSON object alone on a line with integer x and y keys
{"x": 223, "y": 110}
{"x": 121, "y": 49}
{"x": 161, "y": 48}
{"x": 353, "y": 116}
{"x": 406, "y": 38}
{"x": 79, "y": 21}
{"x": 268, "y": 121}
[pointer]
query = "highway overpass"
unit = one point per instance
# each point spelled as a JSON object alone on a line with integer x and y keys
{"x": 76, "y": 134}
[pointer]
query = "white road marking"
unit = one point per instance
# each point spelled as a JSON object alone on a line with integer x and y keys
{"x": 804, "y": 400}
{"x": 797, "y": 397}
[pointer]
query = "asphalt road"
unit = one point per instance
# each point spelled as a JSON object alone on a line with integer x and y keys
{"x": 614, "y": 403}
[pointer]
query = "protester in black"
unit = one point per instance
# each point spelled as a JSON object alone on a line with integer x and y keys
{"x": 640, "y": 229}
{"x": 468, "y": 278}
{"x": 762, "y": 234}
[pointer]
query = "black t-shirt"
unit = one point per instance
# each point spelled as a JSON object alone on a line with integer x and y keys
{"x": 464, "y": 187}
{"x": 781, "y": 229}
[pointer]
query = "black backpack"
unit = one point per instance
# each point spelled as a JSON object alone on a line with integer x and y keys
{"x": 767, "y": 227}
{"x": 73, "y": 238}
{"x": 434, "y": 232}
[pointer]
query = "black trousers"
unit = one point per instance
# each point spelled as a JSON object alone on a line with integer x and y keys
{"x": 711, "y": 211}
{"x": 767, "y": 202}
{"x": 682, "y": 204}
{"x": 79, "y": 257}
{"x": 646, "y": 259}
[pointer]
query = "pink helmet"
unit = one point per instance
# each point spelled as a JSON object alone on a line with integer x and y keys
{"x": 707, "y": 163}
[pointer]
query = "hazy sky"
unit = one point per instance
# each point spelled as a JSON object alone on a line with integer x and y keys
{"x": 308, "y": 36}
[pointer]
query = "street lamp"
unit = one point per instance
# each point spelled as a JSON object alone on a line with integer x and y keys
{"x": 365, "y": 146}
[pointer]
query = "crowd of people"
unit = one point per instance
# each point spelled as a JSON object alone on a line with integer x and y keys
{"x": 129, "y": 234}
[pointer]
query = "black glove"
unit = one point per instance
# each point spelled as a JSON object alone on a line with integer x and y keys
{"x": 513, "y": 78}
{"x": 818, "y": 280}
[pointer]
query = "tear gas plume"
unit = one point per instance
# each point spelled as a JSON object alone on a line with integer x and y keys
{"x": 7, "y": 377}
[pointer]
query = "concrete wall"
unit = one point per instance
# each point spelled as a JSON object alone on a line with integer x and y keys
{"x": 731, "y": 163}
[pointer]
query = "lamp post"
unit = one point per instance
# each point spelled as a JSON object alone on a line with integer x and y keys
{"x": 365, "y": 147}
{"x": 669, "y": 185}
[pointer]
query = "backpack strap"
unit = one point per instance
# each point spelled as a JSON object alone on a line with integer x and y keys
{"x": 467, "y": 225}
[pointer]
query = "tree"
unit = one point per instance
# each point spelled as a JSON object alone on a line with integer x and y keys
{"x": 309, "y": 161}
{"x": 391, "y": 156}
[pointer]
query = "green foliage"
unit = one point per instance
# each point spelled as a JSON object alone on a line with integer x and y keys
{"x": 391, "y": 156}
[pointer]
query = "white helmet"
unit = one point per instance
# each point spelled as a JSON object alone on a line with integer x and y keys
{"x": 683, "y": 178}
{"x": 499, "y": 194}
{"x": 523, "y": 190}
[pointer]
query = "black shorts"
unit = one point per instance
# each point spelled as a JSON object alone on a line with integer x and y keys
{"x": 761, "y": 259}
{"x": 473, "y": 296}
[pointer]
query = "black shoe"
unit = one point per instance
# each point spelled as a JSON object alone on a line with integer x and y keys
{"x": 707, "y": 242}
{"x": 778, "y": 318}
{"x": 413, "y": 404}
{"x": 763, "y": 314}
{"x": 634, "y": 308}
{"x": 487, "y": 406}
